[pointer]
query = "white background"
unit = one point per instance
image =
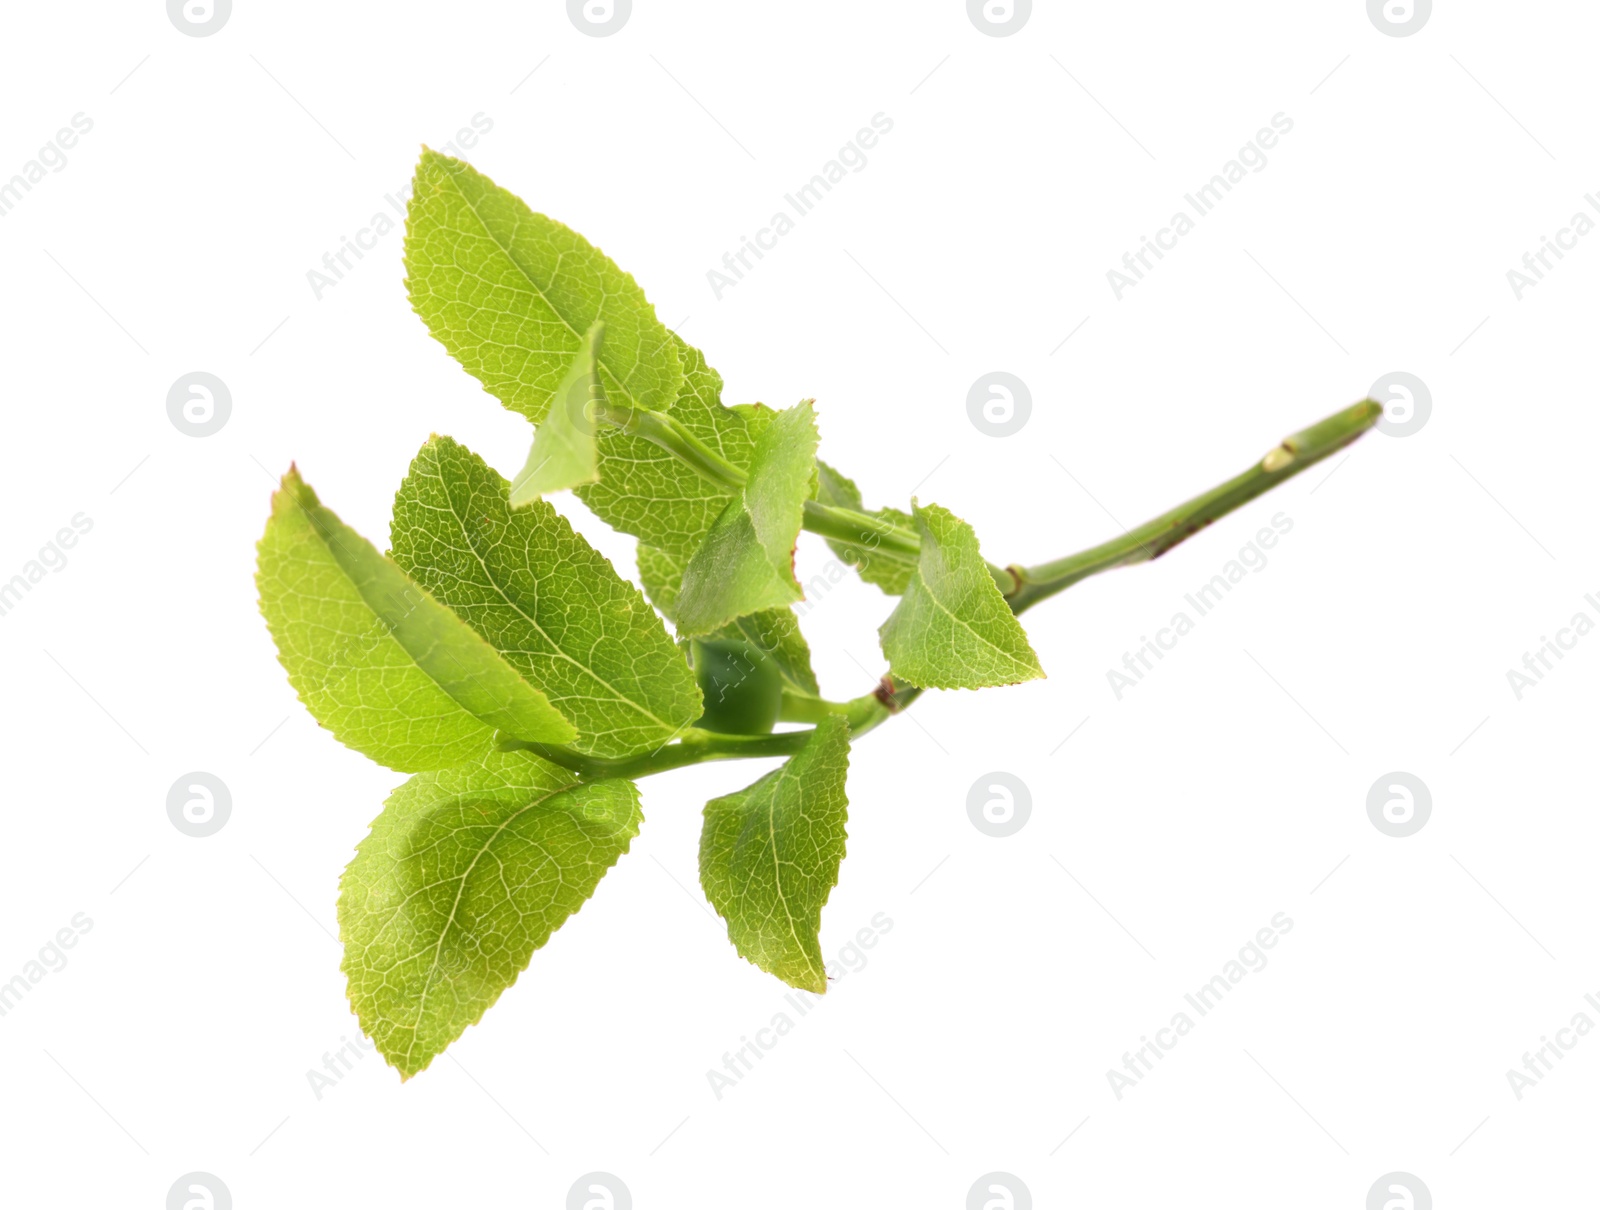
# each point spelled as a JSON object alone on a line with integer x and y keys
{"x": 1228, "y": 786}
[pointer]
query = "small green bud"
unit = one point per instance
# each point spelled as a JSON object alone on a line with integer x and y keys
{"x": 741, "y": 684}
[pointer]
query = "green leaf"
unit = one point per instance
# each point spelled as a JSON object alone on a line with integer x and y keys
{"x": 757, "y": 416}
{"x": 775, "y": 633}
{"x": 510, "y": 294}
{"x": 545, "y": 599}
{"x": 564, "y": 453}
{"x": 376, "y": 659}
{"x": 746, "y": 562}
{"x": 646, "y": 492}
{"x": 662, "y": 577}
{"x": 770, "y": 854}
{"x": 952, "y": 629}
{"x": 464, "y": 875}
{"x": 878, "y": 567}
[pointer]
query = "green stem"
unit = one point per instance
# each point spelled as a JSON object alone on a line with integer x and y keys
{"x": 843, "y": 524}
{"x": 803, "y": 708}
{"x": 867, "y": 533}
{"x": 693, "y": 748}
{"x": 865, "y": 712}
{"x": 871, "y": 534}
{"x": 697, "y": 746}
{"x": 665, "y": 431}
{"x": 875, "y": 538}
{"x": 1154, "y": 538}
{"x": 1025, "y": 587}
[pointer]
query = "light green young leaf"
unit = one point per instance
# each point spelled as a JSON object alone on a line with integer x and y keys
{"x": 646, "y": 492}
{"x": 545, "y": 599}
{"x": 774, "y": 633}
{"x": 770, "y": 854}
{"x": 380, "y": 663}
{"x": 510, "y": 294}
{"x": 564, "y": 453}
{"x": 952, "y": 629}
{"x": 757, "y": 416}
{"x": 746, "y": 562}
{"x": 464, "y": 875}
{"x": 876, "y": 566}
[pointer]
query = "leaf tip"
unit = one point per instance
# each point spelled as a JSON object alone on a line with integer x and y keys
{"x": 817, "y": 986}
{"x": 292, "y": 489}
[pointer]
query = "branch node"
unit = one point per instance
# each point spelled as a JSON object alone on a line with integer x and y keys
{"x": 885, "y": 694}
